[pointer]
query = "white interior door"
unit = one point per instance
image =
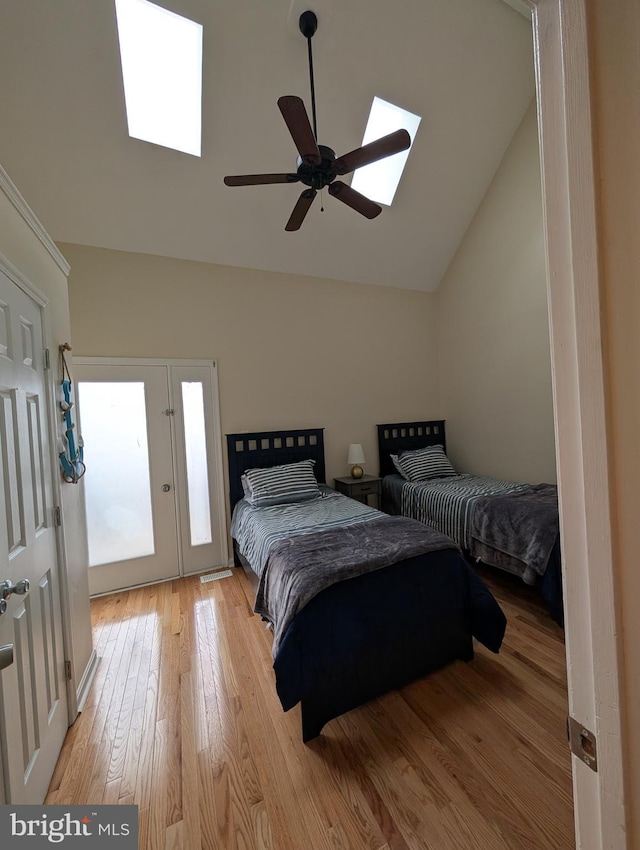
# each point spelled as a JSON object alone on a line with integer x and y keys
{"x": 33, "y": 700}
{"x": 153, "y": 482}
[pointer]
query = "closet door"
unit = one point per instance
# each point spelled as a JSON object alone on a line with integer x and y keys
{"x": 125, "y": 419}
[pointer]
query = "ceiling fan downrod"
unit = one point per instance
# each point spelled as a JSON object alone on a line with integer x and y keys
{"x": 317, "y": 166}
{"x": 308, "y": 24}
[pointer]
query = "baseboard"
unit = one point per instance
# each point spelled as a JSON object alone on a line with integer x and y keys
{"x": 82, "y": 691}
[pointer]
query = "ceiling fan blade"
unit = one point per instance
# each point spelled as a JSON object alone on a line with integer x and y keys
{"x": 395, "y": 142}
{"x": 301, "y": 209}
{"x": 353, "y": 199}
{"x": 259, "y": 179}
{"x": 297, "y": 121}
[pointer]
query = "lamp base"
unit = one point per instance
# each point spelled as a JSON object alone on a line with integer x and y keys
{"x": 357, "y": 471}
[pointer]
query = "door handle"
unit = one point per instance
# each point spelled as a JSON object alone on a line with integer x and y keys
{"x": 7, "y": 588}
{"x": 6, "y": 655}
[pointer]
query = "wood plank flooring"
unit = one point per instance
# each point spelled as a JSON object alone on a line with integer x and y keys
{"x": 183, "y": 720}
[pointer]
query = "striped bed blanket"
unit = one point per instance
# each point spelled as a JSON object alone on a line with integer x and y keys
{"x": 256, "y": 530}
{"x": 448, "y": 503}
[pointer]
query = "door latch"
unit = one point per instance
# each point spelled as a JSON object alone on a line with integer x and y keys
{"x": 6, "y": 655}
{"x": 582, "y": 743}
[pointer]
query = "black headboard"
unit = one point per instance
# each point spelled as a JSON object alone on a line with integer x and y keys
{"x": 404, "y": 436}
{"x": 260, "y": 449}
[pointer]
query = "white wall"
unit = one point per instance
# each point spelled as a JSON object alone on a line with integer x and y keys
{"x": 292, "y": 351}
{"x": 493, "y": 336}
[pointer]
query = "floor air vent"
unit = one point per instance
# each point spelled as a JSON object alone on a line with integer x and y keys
{"x": 214, "y": 576}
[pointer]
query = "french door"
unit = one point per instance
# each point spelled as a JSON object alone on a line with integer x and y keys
{"x": 153, "y": 486}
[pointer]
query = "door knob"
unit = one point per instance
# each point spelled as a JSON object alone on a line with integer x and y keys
{"x": 166, "y": 488}
{"x": 6, "y": 654}
{"x": 7, "y": 588}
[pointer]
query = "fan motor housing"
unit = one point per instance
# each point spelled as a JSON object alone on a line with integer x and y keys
{"x": 318, "y": 176}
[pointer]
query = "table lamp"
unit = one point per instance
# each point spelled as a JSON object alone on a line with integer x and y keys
{"x": 355, "y": 458}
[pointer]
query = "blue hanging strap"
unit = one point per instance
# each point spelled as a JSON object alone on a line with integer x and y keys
{"x": 70, "y": 449}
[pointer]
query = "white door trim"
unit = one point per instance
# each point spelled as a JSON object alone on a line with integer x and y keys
{"x": 10, "y": 190}
{"x": 583, "y": 449}
{"x": 140, "y": 361}
{"x": 219, "y": 523}
{"x": 22, "y": 282}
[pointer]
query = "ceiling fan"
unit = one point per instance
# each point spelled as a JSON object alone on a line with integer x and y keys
{"x": 317, "y": 165}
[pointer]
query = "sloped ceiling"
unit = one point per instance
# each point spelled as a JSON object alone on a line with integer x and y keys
{"x": 465, "y": 66}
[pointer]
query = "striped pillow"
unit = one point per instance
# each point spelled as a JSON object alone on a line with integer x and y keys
{"x": 279, "y": 485}
{"x": 425, "y": 464}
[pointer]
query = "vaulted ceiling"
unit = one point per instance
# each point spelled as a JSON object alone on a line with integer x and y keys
{"x": 465, "y": 66}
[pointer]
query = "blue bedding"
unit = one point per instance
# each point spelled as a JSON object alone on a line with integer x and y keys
{"x": 363, "y": 636}
{"x": 449, "y": 505}
{"x": 256, "y": 530}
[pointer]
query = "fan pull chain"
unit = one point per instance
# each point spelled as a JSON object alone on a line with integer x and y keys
{"x": 321, "y": 202}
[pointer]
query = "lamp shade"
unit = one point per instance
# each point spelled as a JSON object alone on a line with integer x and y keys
{"x": 356, "y": 455}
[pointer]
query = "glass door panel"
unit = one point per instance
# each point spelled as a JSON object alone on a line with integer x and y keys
{"x": 118, "y": 492}
{"x": 198, "y": 503}
{"x": 202, "y": 530}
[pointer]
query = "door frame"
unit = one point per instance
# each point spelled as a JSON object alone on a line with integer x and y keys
{"x": 24, "y": 284}
{"x": 218, "y": 520}
{"x": 583, "y": 445}
{"x": 562, "y": 82}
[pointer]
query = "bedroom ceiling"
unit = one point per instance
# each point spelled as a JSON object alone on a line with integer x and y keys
{"x": 465, "y": 66}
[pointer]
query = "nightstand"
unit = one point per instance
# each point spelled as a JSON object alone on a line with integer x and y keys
{"x": 360, "y": 488}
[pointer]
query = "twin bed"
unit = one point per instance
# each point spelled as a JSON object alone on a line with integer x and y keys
{"x": 508, "y": 525}
{"x": 360, "y": 602}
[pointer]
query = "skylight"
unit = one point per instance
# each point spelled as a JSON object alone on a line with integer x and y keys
{"x": 379, "y": 180}
{"x": 161, "y": 55}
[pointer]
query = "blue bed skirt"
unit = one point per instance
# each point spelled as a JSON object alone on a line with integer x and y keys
{"x": 365, "y": 636}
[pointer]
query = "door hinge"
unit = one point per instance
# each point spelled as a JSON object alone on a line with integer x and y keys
{"x": 46, "y": 358}
{"x": 57, "y": 516}
{"x": 582, "y": 743}
{"x": 67, "y": 670}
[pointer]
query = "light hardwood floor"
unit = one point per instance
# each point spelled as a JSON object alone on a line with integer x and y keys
{"x": 184, "y": 721}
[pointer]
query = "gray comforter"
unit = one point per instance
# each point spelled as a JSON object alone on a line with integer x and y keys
{"x": 299, "y": 568}
{"x": 523, "y": 525}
